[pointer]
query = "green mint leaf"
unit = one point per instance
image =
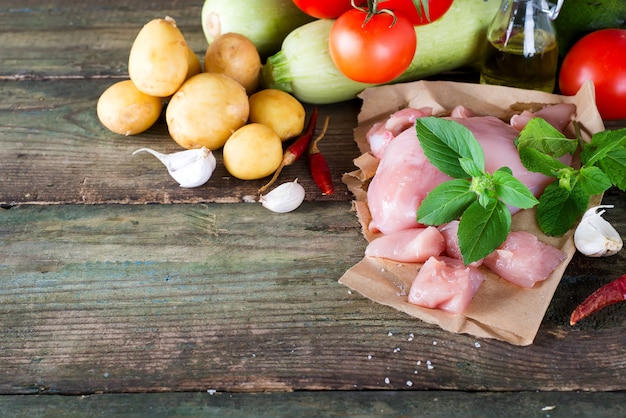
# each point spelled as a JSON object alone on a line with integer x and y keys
{"x": 559, "y": 208}
{"x": 614, "y": 166}
{"x": 446, "y": 141}
{"x": 512, "y": 191}
{"x": 602, "y": 144}
{"x": 483, "y": 229}
{"x": 539, "y": 134}
{"x": 470, "y": 167}
{"x": 445, "y": 202}
{"x": 593, "y": 180}
{"x": 536, "y": 161}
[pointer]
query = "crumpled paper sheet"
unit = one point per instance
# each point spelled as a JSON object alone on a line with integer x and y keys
{"x": 499, "y": 309}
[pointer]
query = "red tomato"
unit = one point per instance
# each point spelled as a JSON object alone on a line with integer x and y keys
{"x": 436, "y": 9}
{"x": 601, "y": 57}
{"x": 324, "y": 9}
{"x": 375, "y": 52}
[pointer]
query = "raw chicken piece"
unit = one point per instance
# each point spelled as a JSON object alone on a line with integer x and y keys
{"x": 524, "y": 260}
{"x": 558, "y": 115}
{"x": 450, "y": 234}
{"x": 445, "y": 283}
{"x": 413, "y": 245}
{"x": 402, "y": 180}
{"x": 497, "y": 140}
{"x": 381, "y": 133}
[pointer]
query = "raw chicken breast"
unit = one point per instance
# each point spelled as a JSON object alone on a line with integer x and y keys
{"x": 524, "y": 260}
{"x": 403, "y": 178}
{"x": 497, "y": 140}
{"x": 558, "y": 115}
{"x": 381, "y": 133}
{"x": 445, "y": 283}
{"x": 413, "y": 245}
{"x": 450, "y": 234}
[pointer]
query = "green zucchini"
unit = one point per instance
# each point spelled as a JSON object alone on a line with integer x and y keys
{"x": 303, "y": 66}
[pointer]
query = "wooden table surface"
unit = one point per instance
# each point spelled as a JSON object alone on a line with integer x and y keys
{"x": 142, "y": 298}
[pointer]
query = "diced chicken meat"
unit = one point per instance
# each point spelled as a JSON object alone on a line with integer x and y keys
{"x": 523, "y": 259}
{"x": 445, "y": 283}
{"x": 450, "y": 234}
{"x": 414, "y": 245}
{"x": 381, "y": 133}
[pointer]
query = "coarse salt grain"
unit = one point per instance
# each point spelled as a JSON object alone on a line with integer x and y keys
{"x": 386, "y": 380}
{"x": 409, "y": 383}
{"x": 390, "y": 334}
{"x": 477, "y": 344}
{"x": 396, "y": 350}
{"x": 369, "y": 357}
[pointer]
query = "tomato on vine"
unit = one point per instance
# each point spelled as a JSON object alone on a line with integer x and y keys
{"x": 324, "y": 9}
{"x": 372, "y": 45}
{"x": 428, "y": 12}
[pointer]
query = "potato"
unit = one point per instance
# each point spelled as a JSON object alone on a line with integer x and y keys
{"x": 252, "y": 152}
{"x": 158, "y": 59}
{"x": 193, "y": 63}
{"x": 125, "y": 110}
{"x": 206, "y": 110}
{"x": 279, "y": 110}
{"x": 236, "y": 56}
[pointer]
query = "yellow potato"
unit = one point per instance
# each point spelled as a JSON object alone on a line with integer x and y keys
{"x": 254, "y": 151}
{"x": 206, "y": 110}
{"x": 236, "y": 56}
{"x": 279, "y": 110}
{"x": 158, "y": 59}
{"x": 193, "y": 63}
{"x": 125, "y": 110}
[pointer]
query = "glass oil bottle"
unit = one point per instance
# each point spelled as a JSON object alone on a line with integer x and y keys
{"x": 521, "y": 48}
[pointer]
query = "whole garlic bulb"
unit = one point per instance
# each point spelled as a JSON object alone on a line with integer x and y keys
{"x": 190, "y": 168}
{"x": 284, "y": 198}
{"x": 595, "y": 236}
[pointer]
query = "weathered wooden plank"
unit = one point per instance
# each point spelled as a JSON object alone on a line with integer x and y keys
{"x": 134, "y": 298}
{"x": 323, "y": 404}
{"x": 53, "y": 149}
{"x": 68, "y": 39}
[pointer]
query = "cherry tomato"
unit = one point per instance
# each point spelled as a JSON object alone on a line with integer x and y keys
{"x": 324, "y": 9}
{"x": 601, "y": 57}
{"x": 436, "y": 9}
{"x": 374, "y": 52}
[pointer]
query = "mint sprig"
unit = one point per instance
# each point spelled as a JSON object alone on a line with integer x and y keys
{"x": 475, "y": 196}
{"x": 603, "y": 164}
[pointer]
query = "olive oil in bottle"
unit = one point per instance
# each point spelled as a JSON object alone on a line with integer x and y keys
{"x": 508, "y": 64}
{"x": 521, "y": 47}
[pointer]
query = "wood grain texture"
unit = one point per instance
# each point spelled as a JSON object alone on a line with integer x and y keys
{"x": 115, "y": 280}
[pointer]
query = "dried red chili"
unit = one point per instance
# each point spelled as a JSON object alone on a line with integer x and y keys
{"x": 296, "y": 149}
{"x": 319, "y": 167}
{"x": 606, "y": 295}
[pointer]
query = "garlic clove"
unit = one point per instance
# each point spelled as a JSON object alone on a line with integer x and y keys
{"x": 190, "y": 168}
{"x": 284, "y": 198}
{"x": 595, "y": 236}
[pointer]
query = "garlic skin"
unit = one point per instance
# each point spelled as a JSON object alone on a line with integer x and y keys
{"x": 284, "y": 198}
{"x": 596, "y": 237}
{"x": 190, "y": 168}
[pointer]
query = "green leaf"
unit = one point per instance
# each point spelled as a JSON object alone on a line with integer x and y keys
{"x": 482, "y": 230}
{"x": 593, "y": 180}
{"x": 602, "y": 144}
{"x": 614, "y": 166}
{"x": 542, "y": 136}
{"x": 538, "y": 162}
{"x": 445, "y": 203}
{"x": 560, "y": 208}
{"x": 470, "y": 167}
{"x": 446, "y": 141}
{"x": 512, "y": 191}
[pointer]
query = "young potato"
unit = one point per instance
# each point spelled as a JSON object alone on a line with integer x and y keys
{"x": 279, "y": 110}
{"x": 252, "y": 152}
{"x": 158, "y": 59}
{"x": 236, "y": 56}
{"x": 193, "y": 63}
{"x": 125, "y": 110}
{"x": 206, "y": 110}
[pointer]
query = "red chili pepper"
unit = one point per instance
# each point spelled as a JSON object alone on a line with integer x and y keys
{"x": 319, "y": 167}
{"x": 296, "y": 149}
{"x": 608, "y": 294}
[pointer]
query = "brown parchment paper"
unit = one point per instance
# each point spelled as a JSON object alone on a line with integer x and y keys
{"x": 499, "y": 309}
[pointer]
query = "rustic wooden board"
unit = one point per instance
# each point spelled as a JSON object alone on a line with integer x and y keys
{"x": 435, "y": 404}
{"x": 133, "y": 298}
